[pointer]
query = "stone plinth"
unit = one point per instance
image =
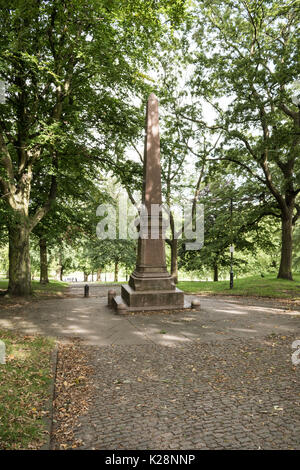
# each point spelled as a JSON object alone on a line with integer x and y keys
{"x": 119, "y": 301}
{"x": 151, "y": 298}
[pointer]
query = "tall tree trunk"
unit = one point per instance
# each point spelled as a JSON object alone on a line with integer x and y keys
{"x": 43, "y": 261}
{"x": 61, "y": 273}
{"x": 19, "y": 259}
{"x": 174, "y": 262}
{"x": 216, "y": 273}
{"x": 116, "y": 271}
{"x": 99, "y": 275}
{"x": 285, "y": 268}
{"x": 85, "y": 277}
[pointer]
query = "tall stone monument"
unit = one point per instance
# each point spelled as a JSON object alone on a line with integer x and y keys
{"x": 150, "y": 286}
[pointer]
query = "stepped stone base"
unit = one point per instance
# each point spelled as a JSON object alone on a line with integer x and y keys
{"x": 120, "y": 307}
{"x": 134, "y": 298}
{"x": 136, "y": 301}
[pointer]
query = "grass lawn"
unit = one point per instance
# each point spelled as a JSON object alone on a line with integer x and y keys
{"x": 53, "y": 288}
{"x": 267, "y": 286}
{"x": 24, "y": 390}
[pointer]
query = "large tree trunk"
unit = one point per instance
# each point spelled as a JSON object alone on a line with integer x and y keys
{"x": 99, "y": 275}
{"x": 174, "y": 262}
{"x": 116, "y": 271}
{"x": 19, "y": 259}
{"x": 216, "y": 273}
{"x": 43, "y": 261}
{"x": 285, "y": 269}
{"x": 85, "y": 277}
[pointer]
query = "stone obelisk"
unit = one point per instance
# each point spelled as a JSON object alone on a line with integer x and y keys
{"x": 150, "y": 286}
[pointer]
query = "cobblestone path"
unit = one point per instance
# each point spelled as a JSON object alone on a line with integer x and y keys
{"x": 233, "y": 394}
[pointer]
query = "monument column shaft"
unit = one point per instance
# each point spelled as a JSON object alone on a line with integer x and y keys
{"x": 152, "y": 169}
{"x": 151, "y": 252}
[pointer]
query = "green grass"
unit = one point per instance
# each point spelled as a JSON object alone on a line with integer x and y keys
{"x": 3, "y": 283}
{"x": 53, "y": 288}
{"x": 267, "y": 286}
{"x": 24, "y": 390}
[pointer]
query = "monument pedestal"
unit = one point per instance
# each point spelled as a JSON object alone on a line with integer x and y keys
{"x": 133, "y": 301}
{"x": 149, "y": 291}
{"x": 152, "y": 298}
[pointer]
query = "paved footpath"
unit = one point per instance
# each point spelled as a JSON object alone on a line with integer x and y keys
{"x": 218, "y": 378}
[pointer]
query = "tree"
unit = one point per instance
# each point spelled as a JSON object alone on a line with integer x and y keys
{"x": 72, "y": 216}
{"x": 69, "y": 67}
{"x": 109, "y": 253}
{"x": 234, "y": 215}
{"x": 248, "y": 52}
{"x": 173, "y": 155}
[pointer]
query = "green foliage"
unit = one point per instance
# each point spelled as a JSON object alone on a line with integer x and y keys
{"x": 106, "y": 253}
{"x": 244, "y": 66}
{"x": 77, "y": 74}
{"x": 73, "y": 71}
{"x": 244, "y": 227}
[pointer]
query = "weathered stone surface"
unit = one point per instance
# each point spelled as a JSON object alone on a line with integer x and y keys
{"x": 117, "y": 300}
{"x": 152, "y": 298}
{"x": 111, "y": 294}
{"x": 151, "y": 259}
{"x": 121, "y": 308}
{"x": 143, "y": 281}
{"x": 196, "y": 304}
